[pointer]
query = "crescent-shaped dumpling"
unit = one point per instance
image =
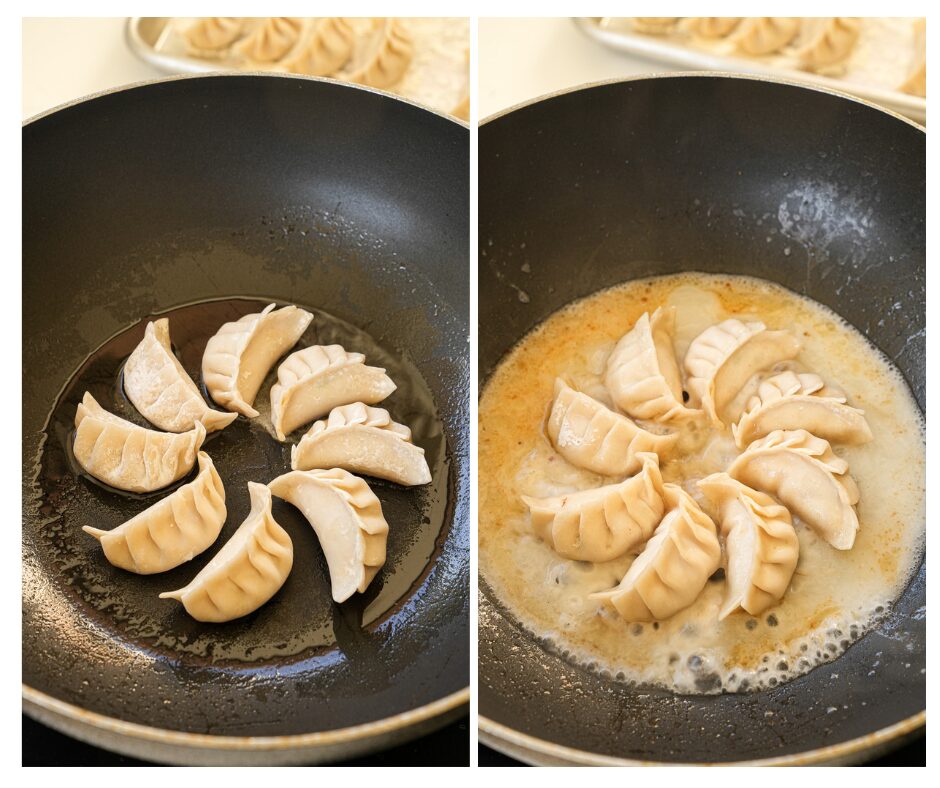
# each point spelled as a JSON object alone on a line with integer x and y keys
{"x": 591, "y": 436}
{"x": 642, "y": 372}
{"x": 365, "y": 440}
{"x": 792, "y": 401}
{"x": 724, "y": 356}
{"x": 827, "y": 40}
{"x": 673, "y": 568}
{"x": 389, "y": 61}
{"x": 272, "y": 39}
{"x": 213, "y": 33}
{"x": 761, "y": 546}
{"x": 241, "y": 353}
{"x": 250, "y": 568}
{"x": 655, "y": 25}
{"x": 159, "y": 387}
{"x": 129, "y": 457}
{"x": 348, "y": 521}
{"x": 801, "y": 471}
{"x": 763, "y": 35}
{"x": 313, "y": 381}
{"x": 327, "y": 50}
{"x": 173, "y": 530}
{"x": 603, "y": 523}
{"x": 713, "y": 26}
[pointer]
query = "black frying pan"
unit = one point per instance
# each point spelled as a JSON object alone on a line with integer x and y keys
{"x": 654, "y": 176}
{"x": 205, "y": 199}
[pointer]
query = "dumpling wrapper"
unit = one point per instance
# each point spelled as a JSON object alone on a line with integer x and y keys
{"x": 793, "y": 401}
{"x": 604, "y": 523}
{"x": 173, "y": 530}
{"x": 642, "y": 372}
{"x": 591, "y": 436}
{"x": 801, "y": 471}
{"x": 162, "y": 390}
{"x": 764, "y": 35}
{"x": 327, "y": 50}
{"x": 725, "y": 356}
{"x": 129, "y": 457}
{"x": 761, "y": 546}
{"x": 348, "y": 521}
{"x": 673, "y": 568}
{"x": 241, "y": 353}
{"x": 250, "y": 568}
{"x": 365, "y": 440}
{"x": 313, "y": 381}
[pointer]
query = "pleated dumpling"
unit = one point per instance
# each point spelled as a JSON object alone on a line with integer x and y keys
{"x": 163, "y": 392}
{"x": 713, "y": 26}
{"x": 591, "y": 436}
{"x": 240, "y": 354}
{"x": 793, "y": 401}
{"x": 327, "y": 49}
{"x": 250, "y": 568}
{"x": 173, "y": 530}
{"x": 916, "y": 81}
{"x": 761, "y": 546}
{"x": 724, "y": 356}
{"x": 313, "y": 381}
{"x": 826, "y": 41}
{"x": 642, "y": 372}
{"x": 348, "y": 521}
{"x": 801, "y": 471}
{"x": 763, "y": 35}
{"x": 272, "y": 39}
{"x": 213, "y": 33}
{"x": 655, "y": 25}
{"x": 673, "y": 568}
{"x": 390, "y": 58}
{"x": 365, "y": 440}
{"x": 129, "y": 457}
{"x": 603, "y": 523}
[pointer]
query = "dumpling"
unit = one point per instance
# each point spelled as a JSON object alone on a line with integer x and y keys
{"x": 173, "y": 530}
{"x": 272, "y": 39}
{"x": 604, "y": 523}
{"x": 654, "y": 25}
{"x": 348, "y": 521}
{"x": 801, "y": 471}
{"x": 642, "y": 373}
{"x": 761, "y": 546}
{"x": 390, "y": 60}
{"x": 763, "y": 35}
{"x": 916, "y": 82}
{"x": 327, "y": 50}
{"x": 365, "y": 440}
{"x": 462, "y": 110}
{"x": 723, "y": 358}
{"x": 214, "y": 33}
{"x": 591, "y": 436}
{"x": 163, "y": 392}
{"x": 238, "y": 357}
{"x": 791, "y": 401}
{"x": 313, "y": 381}
{"x": 827, "y": 40}
{"x": 673, "y": 568}
{"x": 713, "y": 26}
{"x": 250, "y": 568}
{"x": 129, "y": 457}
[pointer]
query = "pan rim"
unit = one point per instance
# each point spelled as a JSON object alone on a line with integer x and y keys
{"x": 495, "y": 733}
{"x": 709, "y": 74}
{"x": 230, "y": 74}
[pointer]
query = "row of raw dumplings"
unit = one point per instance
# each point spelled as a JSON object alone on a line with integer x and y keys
{"x": 313, "y": 382}
{"x": 785, "y": 431}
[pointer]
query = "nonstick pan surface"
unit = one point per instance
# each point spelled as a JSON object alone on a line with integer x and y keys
{"x": 204, "y": 199}
{"x": 818, "y": 192}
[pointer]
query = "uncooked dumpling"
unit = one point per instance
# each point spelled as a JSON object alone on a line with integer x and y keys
{"x": 791, "y": 401}
{"x": 801, "y": 471}
{"x": 327, "y": 50}
{"x": 238, "y": 357}
{"x": 713, "y": 26}
{"x": 214, "y": 33}
{"x": 916, "y": 81}
{"x": 272, "y": 39}
{"x": 673, "y": 568}
{"x": 723, "y": 358}
{"x": 173, "y": 530}
{"x": 761, "y": 546}
{"x": 313, "y": 381}
{"x": 161, "y": 389}
{"x": 389, "y": 61}
{"x": 654, "y": 25}
{"x": 603, "y": 523}
{"x": 763, "y": 35}
{"x": 591, "y": 436}
{"x": 129, "y": 457}
{"x": 827, "y": 41}
{"x": 642, "y": 373}
{"x": 348, "y": 521}
{"x": 365, "y": 440}
{"x": 250, "y": 568}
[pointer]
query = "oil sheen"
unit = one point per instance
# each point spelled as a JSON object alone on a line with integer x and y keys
{"x": 834, "y": 596}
